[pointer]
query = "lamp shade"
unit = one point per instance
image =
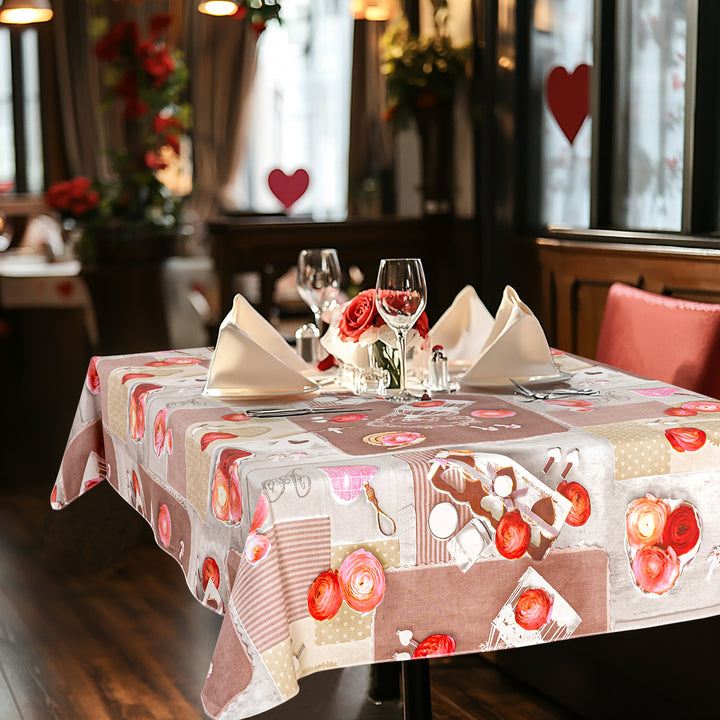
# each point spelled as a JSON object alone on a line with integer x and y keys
{"x": 371, "y": 9}
{"x": 24, "y": 12}
{"x": 218, "y": 7}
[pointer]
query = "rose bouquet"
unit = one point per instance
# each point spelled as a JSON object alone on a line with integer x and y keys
{"x": 359, "y": 337}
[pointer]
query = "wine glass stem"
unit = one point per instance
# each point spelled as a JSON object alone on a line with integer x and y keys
{"x": 401, "y": 346}
{"x": 318, "y": 319}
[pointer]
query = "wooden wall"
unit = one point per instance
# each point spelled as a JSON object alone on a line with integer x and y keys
{"x": 576, "y": 275}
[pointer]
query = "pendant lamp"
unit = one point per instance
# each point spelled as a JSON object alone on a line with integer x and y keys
{"x": 379, "y": 10}
{"x": 221, "y": 8}
{"x": 24, "y": 12}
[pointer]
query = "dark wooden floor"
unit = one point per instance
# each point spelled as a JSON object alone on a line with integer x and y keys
{"x": 96, "y": 622}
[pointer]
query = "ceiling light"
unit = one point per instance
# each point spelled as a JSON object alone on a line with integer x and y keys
{"x": 218, "y": 7}
{"x": 24, "y": 12}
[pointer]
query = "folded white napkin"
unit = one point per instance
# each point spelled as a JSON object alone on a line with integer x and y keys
{"x": 516, "y": 347}
{"x": 463, "y": 328}
{"x": 252, "y": 359}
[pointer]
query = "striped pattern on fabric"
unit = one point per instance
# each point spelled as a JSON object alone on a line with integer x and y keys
{"x": 429, "y": 550}
{"x": 273, "y": 593}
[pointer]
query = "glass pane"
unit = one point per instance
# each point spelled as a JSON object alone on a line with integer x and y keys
{"x": 561, "y": 50}
{"x": 650, "y": 119}
{"x": 7, "y": 147}
{"x": 301, "y": 109}
{"x": 33, "y": 135}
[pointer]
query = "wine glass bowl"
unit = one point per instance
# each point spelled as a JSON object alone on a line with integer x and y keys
{"x": 318, "y": 280}
{"x": 400, "y": 298}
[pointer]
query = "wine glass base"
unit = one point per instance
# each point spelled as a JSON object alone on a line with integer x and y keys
{"x": 397, "y": 395}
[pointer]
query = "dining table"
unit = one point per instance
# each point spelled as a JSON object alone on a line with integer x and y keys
{"x": 332, "y": 529}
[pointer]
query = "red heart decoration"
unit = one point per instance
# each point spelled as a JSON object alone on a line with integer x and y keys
{"x": 568, "y": 97}
{"x": 288, "y": 189}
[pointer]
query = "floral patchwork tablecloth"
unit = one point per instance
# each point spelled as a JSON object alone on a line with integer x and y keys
{"x": 374, "y": 531}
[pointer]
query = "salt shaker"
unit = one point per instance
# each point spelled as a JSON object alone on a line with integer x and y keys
{"x": 307, "y": 340}
{"x": 439, "y": 377}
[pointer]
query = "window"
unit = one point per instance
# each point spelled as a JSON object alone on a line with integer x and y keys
{"x": 301, "y": 109}
{"x": 641, "y": 154}
{"x": 21, "y": 154}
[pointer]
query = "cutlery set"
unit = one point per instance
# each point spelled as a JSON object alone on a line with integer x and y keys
{"x": 550, "y": 394}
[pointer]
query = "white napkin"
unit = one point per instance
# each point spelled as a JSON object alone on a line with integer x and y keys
{"x": 252, "y": 359}
{"x": 516, "y": 347}
{"x": 463, "y": 328}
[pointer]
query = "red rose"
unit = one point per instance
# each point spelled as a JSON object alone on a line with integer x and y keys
{"x": 578, "y": 496}
{"x": 681, "y": 532}
{"x": 161, "y": 124}
{"x": 687, "y": 438}
{"x": 512, "y": 535}
{"x": 127, "y": 86}
{"x": 435, "y": 646}
{"x": 154, "y": 161}
{"x": 359, "y": 314}
{"x": 135, "y": 108}
{"x": 533, "y": 608}
{"x": 324, "y": 596}
{"x": 174, "y": 142}
{"x": 422, "y": 325}
{"x": 427, "y": 100}
{"x": 158, "y": 23}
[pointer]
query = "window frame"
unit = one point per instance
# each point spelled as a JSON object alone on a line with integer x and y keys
{"x": 700, "y": 219}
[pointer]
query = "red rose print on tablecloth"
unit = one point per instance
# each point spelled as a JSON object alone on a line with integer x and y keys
{"x": 324, "y": 596}
{"x": 164, "y": 525}
{"x": 226, "y": 497}
{"x": 662, "y": 536}
{"x": 533, "y": 609}
{"x": 138, "y": 399}
{"x": 173, "y": 361}
{"x": 512, "y": 535}
{"x": 687, "y": 439}
{"x": 92, "y": 378}
{"x": 435, "y": 646}
{"x": 349, "y": 417}
{"x": 210, "y": 573}
{"x": 680, "y": 412}
{"x": 162, "y": 434}
{"x": 211, "y": 437}
{"x": 362, "y": 581}
{"x": 490, "y": 413}
{"x": 578, "y": 496}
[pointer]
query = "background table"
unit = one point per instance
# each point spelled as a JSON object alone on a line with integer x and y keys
{"x": 254, "y": 511}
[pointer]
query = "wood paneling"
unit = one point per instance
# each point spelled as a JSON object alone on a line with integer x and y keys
{"x": 576, "y": 275}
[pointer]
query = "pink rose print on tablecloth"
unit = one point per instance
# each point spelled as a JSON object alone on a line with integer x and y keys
{"x": 325, "y": 596}
{"x": 703, "y": 406}
{"x": 533, "y": 609}
{"x": 662, "y": 537}
{"x": 164, "y": 525}
{"x": 578, "y": 496}
{"x": 685, "y": 439}
{"x": 362, "y": 581}
{"x": 394, "y": 439}
{"x": 489, "y": 413}
{"x": 257, "y": 545}
{"x": 138, "y": 399}
{"x": 226, "y": 498}
{"x": 173, "y": 361}
{"x": 435, "y": 646}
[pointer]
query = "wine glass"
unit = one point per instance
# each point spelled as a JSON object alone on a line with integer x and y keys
{"x": 400, "y": 297}
{"x": 318, "y": 280}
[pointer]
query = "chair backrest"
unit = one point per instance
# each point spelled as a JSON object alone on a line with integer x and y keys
{"x": 661, "y": 337}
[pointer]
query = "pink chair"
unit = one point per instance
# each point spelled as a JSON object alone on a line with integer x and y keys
{"x": 664, "y": 338}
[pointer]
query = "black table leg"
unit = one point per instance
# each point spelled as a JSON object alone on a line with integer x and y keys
{"x": 416, "y": 690}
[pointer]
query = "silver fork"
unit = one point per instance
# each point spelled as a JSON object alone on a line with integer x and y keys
{"x": 557, "y": 392}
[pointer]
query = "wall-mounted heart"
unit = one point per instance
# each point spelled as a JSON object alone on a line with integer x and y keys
{"x": 288, "y": 189}
{"x": 568, "y": 97}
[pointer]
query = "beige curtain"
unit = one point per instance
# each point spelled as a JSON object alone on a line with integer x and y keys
{"x": 222, "y": 59}
{"x": 370, "y": 159}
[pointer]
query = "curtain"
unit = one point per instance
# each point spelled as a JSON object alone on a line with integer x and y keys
{"x": 370, "y": 159}
{"x": 221, "y": 56}
{"x": 221, "y": 59}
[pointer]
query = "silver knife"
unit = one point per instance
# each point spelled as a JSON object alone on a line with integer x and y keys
{"x": 291, "y": 412}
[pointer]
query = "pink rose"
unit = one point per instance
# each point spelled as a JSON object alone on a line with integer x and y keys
{"x": 362, "y": 581}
